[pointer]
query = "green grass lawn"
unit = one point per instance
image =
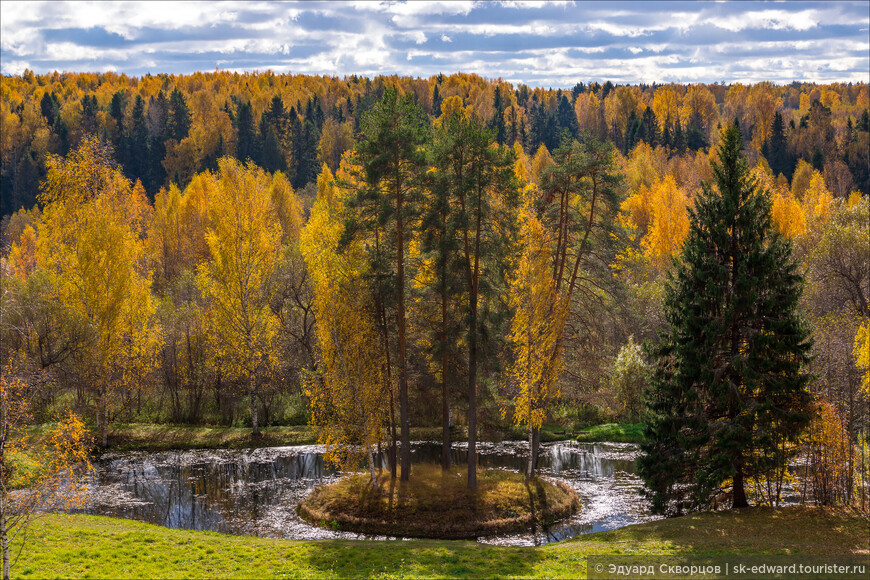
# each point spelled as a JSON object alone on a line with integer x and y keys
{"x": 614, "y": 432}
{"x": 77, "y": 546}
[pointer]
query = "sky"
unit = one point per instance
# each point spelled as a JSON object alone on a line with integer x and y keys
{"x": 548, "y": 44}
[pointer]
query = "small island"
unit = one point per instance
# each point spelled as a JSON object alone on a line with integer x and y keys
{"x": 437, "y": 504}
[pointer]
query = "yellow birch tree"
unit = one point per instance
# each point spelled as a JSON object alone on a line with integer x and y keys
{"x": 90, "y": 244}
{"x": 348, "y": 393}
{"x": 244, "y": 241}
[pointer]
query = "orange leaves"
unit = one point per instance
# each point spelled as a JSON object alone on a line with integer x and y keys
{"x": 540, "y": 162}
{"x": 786, "y": 211}
{"x": 22, "y": 256}
{"x": 670, "y": 220}
{"x": 619, "y": 105}
{"x": 698, "y": 108}
{"x": 788, "y": 216}
{"x": 89, "y": 241}
{"x": 660, "y": 215}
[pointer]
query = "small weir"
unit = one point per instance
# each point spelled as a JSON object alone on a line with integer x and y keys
{"x": 255, "y": 492}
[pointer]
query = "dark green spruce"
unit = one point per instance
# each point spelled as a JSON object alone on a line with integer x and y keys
{"x": 729, "y": 390}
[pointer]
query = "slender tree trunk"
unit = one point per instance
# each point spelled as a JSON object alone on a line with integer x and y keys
{"x": 445, "y": 401}
{"x": 5, "y": 541}
{"x": 389, "y": 374}
{"x": 534, "y": 449}
{"x": 254, "y": 392}
{"x": 372, "y": 467}
{"x": 393, "y": 445}
{"x": 739, "y": 491}
{"x": 99, "y": 410}
{"x": 474, "y": 285}
{"x": 472, "y": 396}
{"x": 105, "y": 424}
{"x": 400, "y": 323}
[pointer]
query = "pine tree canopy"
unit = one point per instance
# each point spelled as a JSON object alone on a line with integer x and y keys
{"x": 729, "y": 394}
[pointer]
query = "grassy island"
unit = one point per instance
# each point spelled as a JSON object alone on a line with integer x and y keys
{"x": 437, "y": 504}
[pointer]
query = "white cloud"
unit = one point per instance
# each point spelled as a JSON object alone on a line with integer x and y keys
{"x": 14, "y": 67}
{"x": 664, "y": 44}
{"x": 768, "y": 19}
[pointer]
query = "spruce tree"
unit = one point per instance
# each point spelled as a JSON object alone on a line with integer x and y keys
{"x": 245, "y": 134}
{"x": 775, "y": 149}
{"x": 730, "y": 390}
{"x": 178, "y": 118}
{"x": 135, "y": 155}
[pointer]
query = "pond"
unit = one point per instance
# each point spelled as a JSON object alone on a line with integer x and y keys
{"x": 255, "y": 492}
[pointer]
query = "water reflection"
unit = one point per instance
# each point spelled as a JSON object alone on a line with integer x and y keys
{"x": 254, "y": 492}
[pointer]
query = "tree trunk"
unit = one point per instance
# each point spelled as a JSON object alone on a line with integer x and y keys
{"x": 472, "y": 396}
{"x": 534, "y": 448}
{"x": 105, "y": 425}
{"x": 445, "y": 401}
{"x": 400, "y": 320}
{"x": 372, "y": 467}
{"x": 393, "y": 435}
{"x": 254, "y": 419}
{"x": 739, "y": 493}
{"x": 5, "y": 542}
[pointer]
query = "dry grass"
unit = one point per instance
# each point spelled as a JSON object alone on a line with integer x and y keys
{"x": 438, "y": 504}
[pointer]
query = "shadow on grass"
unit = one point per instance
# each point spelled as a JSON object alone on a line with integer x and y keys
{"x": 796, "y": 530}
{"x": 426, "y": 558}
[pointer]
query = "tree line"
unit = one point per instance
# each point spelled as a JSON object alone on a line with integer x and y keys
{"x": 166, "y": 128}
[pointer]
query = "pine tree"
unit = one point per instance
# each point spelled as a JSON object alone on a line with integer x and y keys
{"x": 729, "y": 388}
{"x": 392, "y": 159}
{"x": 484, "y": 195}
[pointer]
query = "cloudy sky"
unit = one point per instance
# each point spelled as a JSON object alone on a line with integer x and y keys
{"x": 551, "y": 44}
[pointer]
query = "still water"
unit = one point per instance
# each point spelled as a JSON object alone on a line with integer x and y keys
{"x": 254, "y": 492}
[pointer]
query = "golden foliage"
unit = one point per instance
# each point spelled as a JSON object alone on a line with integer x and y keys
{"x": 540, "y": 162}
{"x": 348, "y": 393}
{"x": 817, "y": 199}
{"x": 862, "y": 354}
{"x": 659, "y": 215}
{"x": 788, "y": 216}
{"x": 831, "y": 459}
{"x": 244, "y": 243}
{"x": 536, "y": 326}
{"x": 90, "y": 245}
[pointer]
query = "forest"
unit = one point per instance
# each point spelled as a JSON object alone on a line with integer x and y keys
{"x": 371, "y": 255}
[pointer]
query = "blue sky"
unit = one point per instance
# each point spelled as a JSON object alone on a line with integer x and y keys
{"x": 550, "y": 44}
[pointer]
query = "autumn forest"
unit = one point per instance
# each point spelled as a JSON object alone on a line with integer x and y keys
{"x": 375, "y": 255}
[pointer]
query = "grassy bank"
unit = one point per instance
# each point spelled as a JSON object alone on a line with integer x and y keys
{"x": 76, "y": 546}
{"x": 613, "y": 432}
{"x": 153, "y": 437}
{"x": 438, "y": 504}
